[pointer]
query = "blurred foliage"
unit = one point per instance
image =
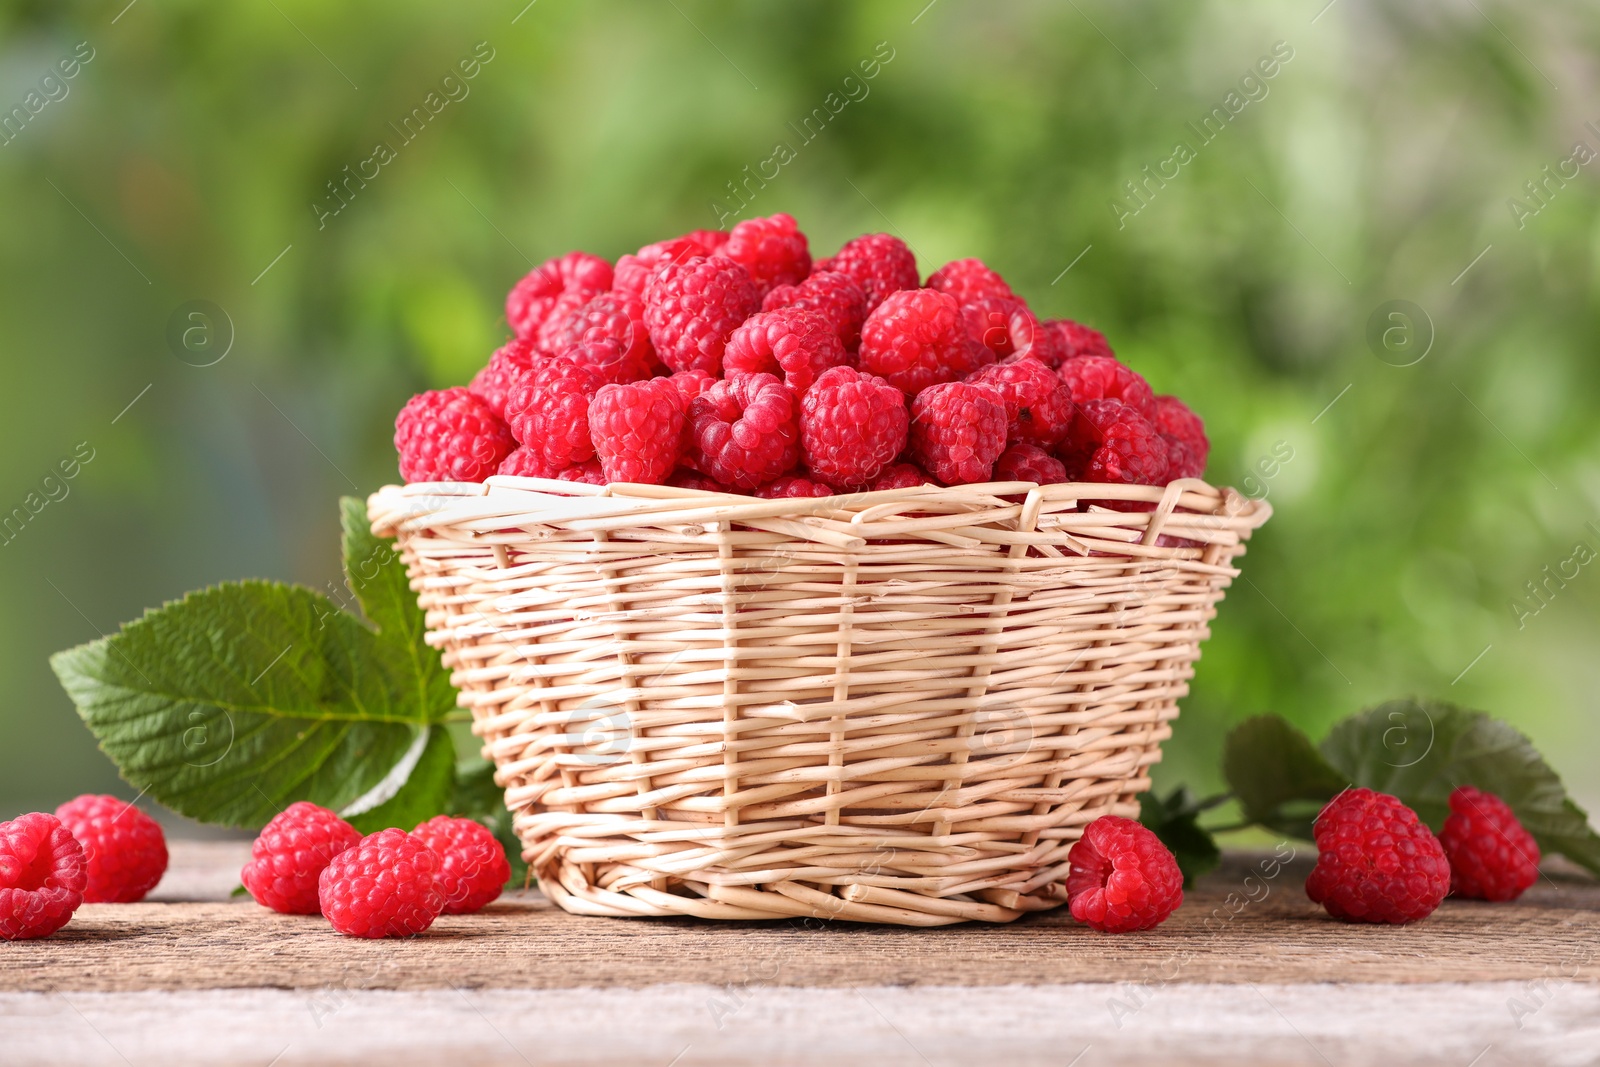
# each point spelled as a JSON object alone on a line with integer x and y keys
{"x": 188, "y": 154}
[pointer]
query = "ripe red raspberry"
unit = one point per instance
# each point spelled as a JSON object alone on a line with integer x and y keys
{"x": 528, "y": 463}
{"x": 1492, "y": 857}
{"x": 637, "y": 430}
{"x": 792, "y": 342}
{"x": 773, "y": 250}
{"x": 1123, "y": 878}
{"x": 385, "y": 885}
{"x": 1073, "y": 339}
{"x": 549, "y": 411}
{"x": 901, "y": 476}
{"x": 1111, "y": 442}
{"x": 43, "y": 873}
{"x": 449, "y": 435}
{"x": 745, "y": 431}
{"x": 684, "y": 478}
{"x": 1038, "y": 406}
{"x": 880, "y": 263}
{"x": 633, "y": 272}
{"x": 1103, "y": 378}
{"x": 969, "y": 280}
{"x": 1376, "y": 861}
{"x": 554, "y": 288}
{"x": 1029, "y": 463}
{"x": 615, "y": 364}
{"x": 588, "y": 472}
{"x": 830, "y": 292}
{"x": 958, "y": 431}
{"x": 794, "y": 485}
{"x": 610, "y": 317}
{"x": 691, "y": 307}
{"x": 1187, "y": 447}
{"x": 125, "y": 848}
{"x": 510, "y": 361}
{"x": 691, "y": 383}
{"x": 916, "y": 339}
{"x": 1006, "y": 327}
{"x": 289, "y": 855}
{"x": 852, "y": 426}
{"x": 473, "y": 867}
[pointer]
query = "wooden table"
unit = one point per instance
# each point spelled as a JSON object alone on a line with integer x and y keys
{"x": 1248, "y": 971}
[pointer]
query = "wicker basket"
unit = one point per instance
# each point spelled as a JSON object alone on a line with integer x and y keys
{"x": 896, "y": 707}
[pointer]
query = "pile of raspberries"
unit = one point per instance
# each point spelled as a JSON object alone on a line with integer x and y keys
{"x": 730, "y": 361}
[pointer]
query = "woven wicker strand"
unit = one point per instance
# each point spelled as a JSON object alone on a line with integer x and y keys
{"x": 895, "y": 707}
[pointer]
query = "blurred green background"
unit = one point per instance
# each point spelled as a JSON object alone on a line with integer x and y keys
{"x": 1441, "y": 454}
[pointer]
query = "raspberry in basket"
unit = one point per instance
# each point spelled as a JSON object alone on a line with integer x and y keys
{"x": 549, "y": 411}
{"x": 1103, "y": 378}
{"x": 637, "y": 430}
{"x": 43, "y": 873}
{"x": 901, "y": 476}
{"x": 553, "y": 289}
{"x": 1038, "y": 406}
{"x": 1492, "y": 857}
{"x": 880, "y": 263}
{"x": 289, "y": 854}
{"x": 449, "y": 435}
{"x": 615, "y": 317}
{"x": 1073, "y": 339}
{"x": 510, "y": 361}
{"x": 125, "y": 848}
{"x": 385, "y": 885}
{"x": 1029, "y": 463}
{"x": 614, "y": 363}
{"x": 969, "y": 280}
{"x": 745, "y": 431}
{"x": 916, "y": 338}
{"x": 472, "y": 868}
{"x": 1111, "y": 442}
{"x": 634, "y": 272}
{"x": 958, "y": 430}
{"x": 1123, "y": 878}
{"x": 852, "y": 426}
{"x": 691, "y": 307}
{"x": 1187, "y": 447}
{"x": 794, "y": 485}
{"x": 773, "y": 250}
{"x": 793, "y": 343}
{"x": 589, "y": 472}
{"x": 1376, "y": 861}
{"x": 691, "y": 383}
{"x": 830, "y": 292}
{"x": 528, "y": 463}
{"x": 1005, "y": 326}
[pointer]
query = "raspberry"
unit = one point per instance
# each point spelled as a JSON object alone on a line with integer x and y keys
{"x": 611, "y": 360}
{"x": 773, "y": 250}
{"x": 691, "y": 383}
{"x": 958, "y": 431}
{"x": 901, "y": 476}
{"x": 634, "y": 272}
{"x": 1074, "y": 339}
{"x": 472, "y": 868}
{"x": 549, "y": 411}
{"x": 969, "y": 280}
{"x": 916, "y": 339}
{"x": 879, "y": 263}
{"x": 637, "y": 430}
{"x": 834, "y": 294}
{"x": 745, "y": 431}
{"x": 691, "y": 307}
{"x": 510, "y": 361}
{"x": 1187, "y": 447}
{"x": 42, "y": 876}
{"x": 684, "y": 478}
{"x": 589, "y": 472}
{"x": 1038, "y": 405}
{"x": 124, "y": 848}
{"x": 1103, "y": 378}
{"x": 852, "y": 426}
{"x": 449, "y": 435}
{"x": 610, "y": 317}
{"x": 1123, "y": 878}
{"x": 289, "y": 855}
{"x": 794, "y": 485}
{"x": 385, "y": 885}
{"x": 1491, "y": 856}
{"x": 529, "y": 463}
{"x": 793, "y": 342}
{"x": 553, "y": 289}
{"x": 1111, "y": 442}
{"x": 1029, "y": 463}
{"x": 1376, "y": 861}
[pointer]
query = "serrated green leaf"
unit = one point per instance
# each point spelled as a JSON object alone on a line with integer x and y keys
{"x": 423, "y": 787}
{"x": 1421, "y": 750}
{"x": 1279, "y": 778}
{"x": 1175, "y": 821}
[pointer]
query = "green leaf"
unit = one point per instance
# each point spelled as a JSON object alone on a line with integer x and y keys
{"x": 1175, "y": 822}
{"x": 1277, "y": 774}
{"x": 1421, "y": 750}
{"x": 237, "y": 700}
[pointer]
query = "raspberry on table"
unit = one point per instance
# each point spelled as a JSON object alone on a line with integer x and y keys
{"x": 473, "y": 868}
{"x": 745, "y": 431}
{"x": 1073, "y": 339}
{"x": 1103, "y": 378}
{"x": 969, "y": 280}
{"x": 449, "y": 435}
{"x": 900, "y": 476}
{"x": 1492, "y": 857}
{"x": 554, "y": 288}
{"x": 385, "y": 885}
{"x": 772, "y": 249}
{"x": 1376, "y": 861}
{"x": 852, "y": 426}
{"x": 1187, "y": 447}
{"x": 637, "y": 430}
{"x": 691, "y": 307}
{"x": 830, "y": 292}
{"x": 517, "y": 357}
{"x": 289, "y": 854}
{"x": 1122, "y": 878}
{"x": 615, "y": 317}
{"x": 1038, "y": 405}
{"x": 125, "y": 848}
{"x": 958, "y": 431}
{"x": 611, "y": 360}
{"x": 794, "y": 343}
{"x": 916, "y": 338}
{"x": 1029, "y": 463}
{"x": 1111, "y": 442}
{"x": 549, "y": 411}
{"x": 794, "y": 485}
{"x": 43, "y": 873}
{"x": 879, "y": 262}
